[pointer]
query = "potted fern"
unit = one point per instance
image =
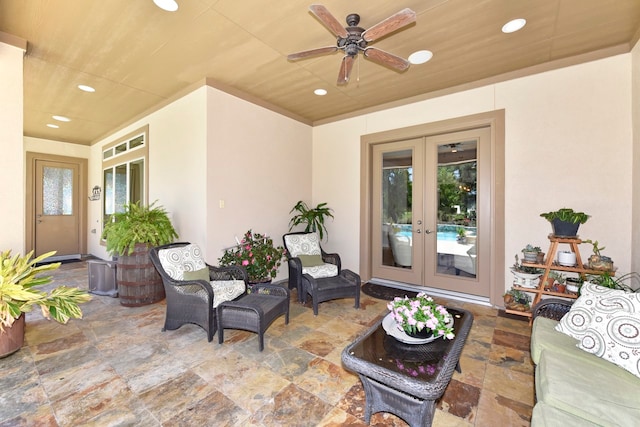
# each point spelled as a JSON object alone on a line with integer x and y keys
{"x": 314, "y": 218}
{"x": 19, "y": 278}
{"x": 130, "y": 235}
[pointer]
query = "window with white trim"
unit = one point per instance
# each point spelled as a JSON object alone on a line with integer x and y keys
{"x": 125, "y": 172}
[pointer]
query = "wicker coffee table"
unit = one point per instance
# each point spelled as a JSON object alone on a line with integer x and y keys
{"x": 406, "y": 379}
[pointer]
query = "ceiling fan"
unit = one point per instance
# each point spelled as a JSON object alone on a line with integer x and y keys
{"x": 353, "y": 39}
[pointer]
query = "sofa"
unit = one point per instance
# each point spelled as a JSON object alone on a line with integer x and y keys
{"x": 585, "y": 373}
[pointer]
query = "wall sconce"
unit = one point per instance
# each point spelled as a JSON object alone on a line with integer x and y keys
{"x": 95, "y": 193}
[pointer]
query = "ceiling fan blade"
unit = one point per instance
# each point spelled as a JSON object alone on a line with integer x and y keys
{"x": 386, "y": 58}
{"x": 389, "y": 25}
{"x": 329, "y": 21}
{"x": 311, "y": 53}
{"x": 345, "y": 69}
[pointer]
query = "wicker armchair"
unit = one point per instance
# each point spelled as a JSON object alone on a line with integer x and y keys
{"x": 195, "y": 300}
{"x": 323, "y": 282}
{"x": 552, "y": 308}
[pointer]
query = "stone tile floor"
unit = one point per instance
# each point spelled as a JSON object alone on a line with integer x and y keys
{"x": 116, "y": 367}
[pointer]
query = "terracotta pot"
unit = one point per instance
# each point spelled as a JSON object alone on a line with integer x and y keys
{"x": 561, "y": 287}
{"x": 12, "y": 339}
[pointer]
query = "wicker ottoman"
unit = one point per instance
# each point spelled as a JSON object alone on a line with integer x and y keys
{"x": 254, "y": 312}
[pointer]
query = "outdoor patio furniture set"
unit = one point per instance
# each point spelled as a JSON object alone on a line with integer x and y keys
{"x": 216, "y": 298}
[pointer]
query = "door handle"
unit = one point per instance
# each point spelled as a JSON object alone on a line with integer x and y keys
{"x": 427, "y": 231}
{"x": 418, "y": 231}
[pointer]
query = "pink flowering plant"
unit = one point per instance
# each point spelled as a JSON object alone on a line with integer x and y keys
{"x": 415, "y": 314}
{"x": 257, "y": 254}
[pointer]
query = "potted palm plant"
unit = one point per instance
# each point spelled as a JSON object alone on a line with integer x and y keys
{"x": 314, "y": 218}
{"x": 130, "y": 235}
{"x": 19, "y": 278}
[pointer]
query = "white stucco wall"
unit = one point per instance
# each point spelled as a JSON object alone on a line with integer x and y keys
{"x": 177, "y": 167}
{"x": 210, "y": 146}
{"x": 635, "y": 113}
{"x": 568, "y": 139}
{"x": 12, "y": 164}
{"x": 259, "y": 166}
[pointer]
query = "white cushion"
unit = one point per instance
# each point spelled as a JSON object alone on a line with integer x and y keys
{"x": 594, "y": 298}
{"x": 615, "y": 337}
{"x": 226, "y": 290}
{"x": 320, "y": 271}
{"x": 175, "y": 261}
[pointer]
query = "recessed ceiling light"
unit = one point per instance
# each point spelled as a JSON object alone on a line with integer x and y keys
{"x": 514, "y": 25}
{"x": 168, "y": 5}
{"x": 320, "y": 92}
{"x": 53, "y": 126}
{"x": 420, "y": 57}
{"x": 61, "y": 118}
{"x": 86, "y": 88}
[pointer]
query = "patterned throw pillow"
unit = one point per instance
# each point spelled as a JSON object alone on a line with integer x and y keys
{"x": 176, "y": 261}
{"x": 615, "y": 337}
{"x": 592, "y": 298}
{"x": 302, "y": 244}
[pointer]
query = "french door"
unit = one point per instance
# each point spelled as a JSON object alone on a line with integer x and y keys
{"x": 431, "y": 211}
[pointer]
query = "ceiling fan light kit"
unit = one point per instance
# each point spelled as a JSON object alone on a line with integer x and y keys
{"x": 353, "y": 39}
{"x": 168, "y": 5}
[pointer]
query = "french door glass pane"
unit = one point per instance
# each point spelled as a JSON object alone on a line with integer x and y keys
{"x": 397, "y": 184}
{"x": 457, "y": 202}
{"x": 57, "y": 197}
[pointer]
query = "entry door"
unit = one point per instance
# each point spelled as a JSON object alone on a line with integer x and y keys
{"x": 57, "y": 213}
{"x": 430, "y": 211}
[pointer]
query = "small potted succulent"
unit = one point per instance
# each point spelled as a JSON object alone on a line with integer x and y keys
{"x": 517, "y": 300}
{"x": 597, "y": 261}
{"x": 565, "y": 222}
{"x": 257, "y": 254}
{"x": 525, "y": 275}
{"x": 530, "y": 253}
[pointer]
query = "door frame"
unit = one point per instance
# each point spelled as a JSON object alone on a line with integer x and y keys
{"x": 30, "y": 194}
{"x": 495, "y": 120}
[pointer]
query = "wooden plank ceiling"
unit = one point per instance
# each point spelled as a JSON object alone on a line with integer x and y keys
{"x": 138, "y": 56}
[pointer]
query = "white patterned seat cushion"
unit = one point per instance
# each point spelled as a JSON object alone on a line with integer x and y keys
{"x": 320, "y": 271}
{"x": 309, "y": 244}
{"x": 176, "y": 261}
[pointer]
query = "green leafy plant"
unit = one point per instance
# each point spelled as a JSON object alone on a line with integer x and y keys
{"x": 629, "y": 282}
{"x": 519, "y": 296}
{"x": 421, "y": 312}
{"x": 520, "y": 268}
{"x": 314, "y": 218}
{"x": 257, "y": 254}
{"x": 19, "y": 277}
{"x": 531, "y": 248}
{"x": 462, "y": 232}
{"x": 138, "y": 224}
{"x": 566, "y": 215}
{"x": 596, "y": 249}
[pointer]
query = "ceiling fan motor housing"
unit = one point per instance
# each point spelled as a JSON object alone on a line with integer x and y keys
{"x": 354, "y": 41}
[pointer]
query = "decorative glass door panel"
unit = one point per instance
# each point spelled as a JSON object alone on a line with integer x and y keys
{"x": 398, "y": 237}
{"x": 56, "y": 203}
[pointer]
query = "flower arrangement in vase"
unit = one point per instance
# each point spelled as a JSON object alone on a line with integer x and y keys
{"x": 421, "y": 314}
{"x": 257, "y": 254}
